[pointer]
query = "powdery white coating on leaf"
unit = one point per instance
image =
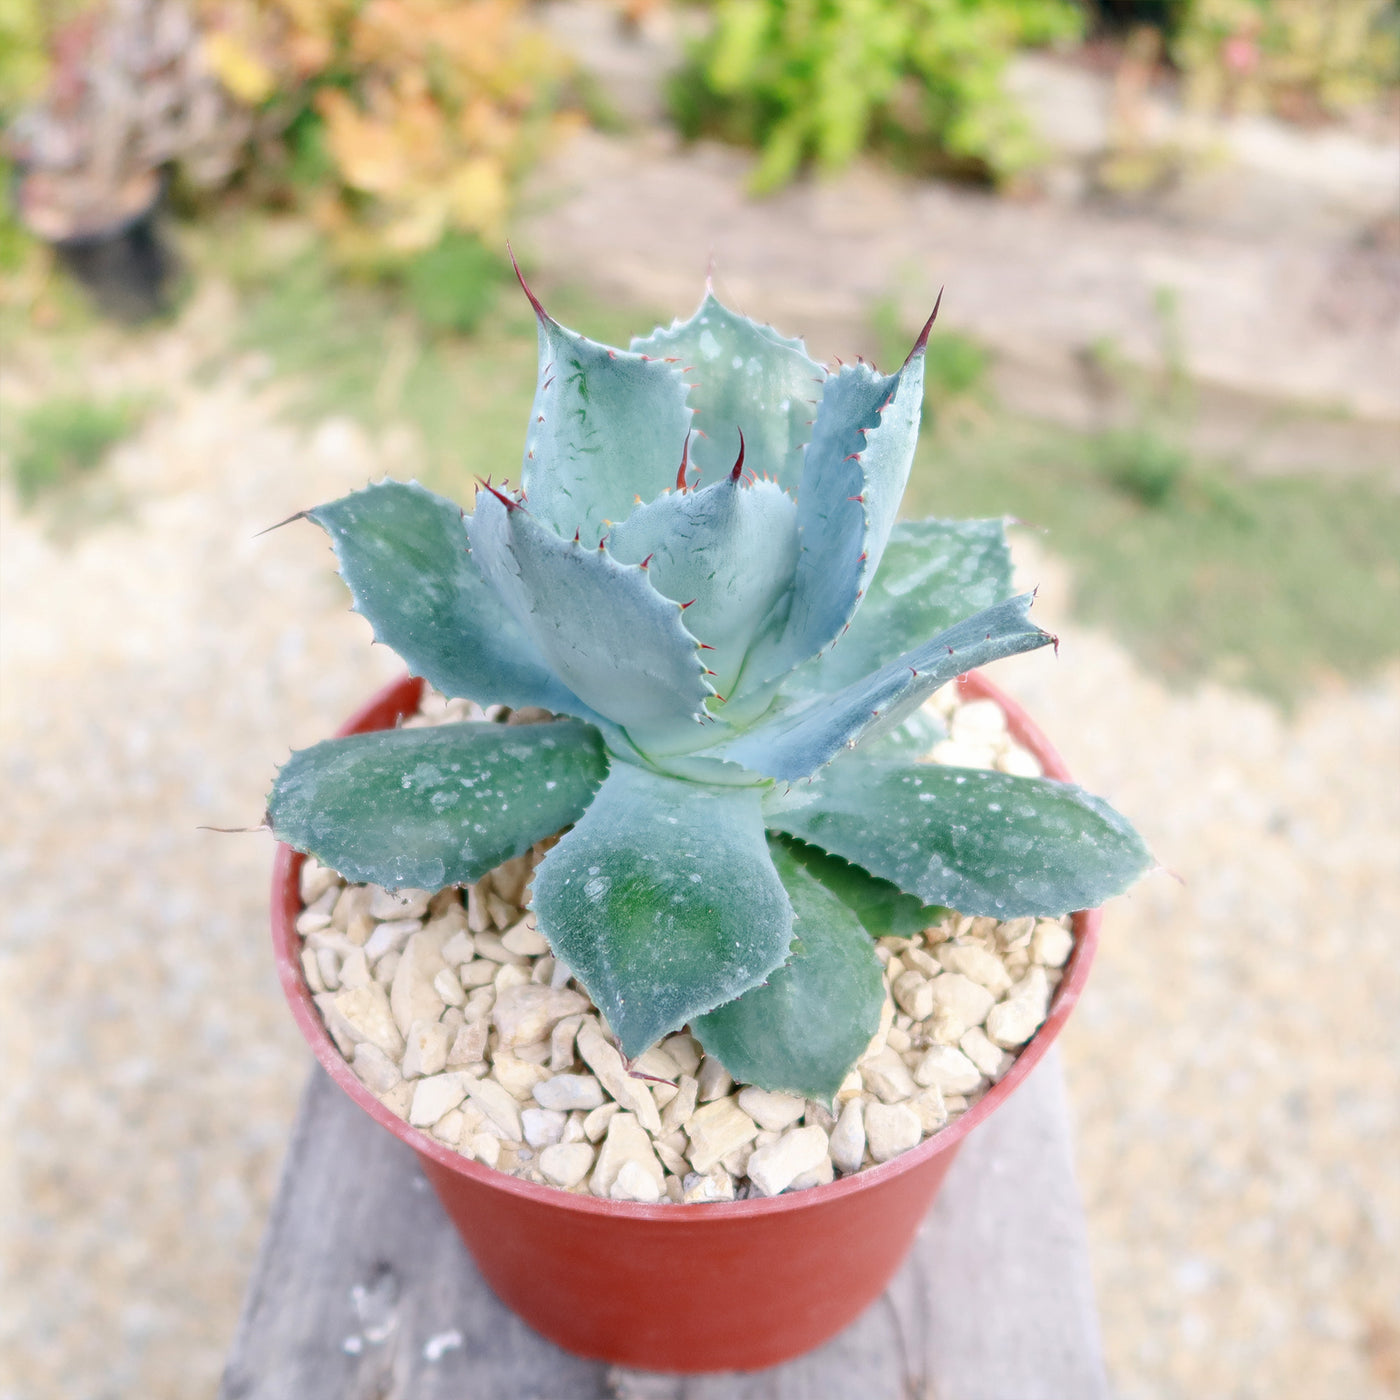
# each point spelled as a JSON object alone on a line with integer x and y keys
{"x": 663, "y": 901}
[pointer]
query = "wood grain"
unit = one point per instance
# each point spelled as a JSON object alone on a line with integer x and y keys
{"x": 363, "y": 1290}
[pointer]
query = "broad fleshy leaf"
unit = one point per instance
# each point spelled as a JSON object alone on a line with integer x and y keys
{"x": 612, "y": 639}
{"x": 797, "y": 742}
{"x": 854, "y": 474}
{"x": 663, "y": 901}
{"x": 744, "y": 376}
{"x": 402, "y": 551}
{"x": 980, "y": 842}
{"x": 803, "y": 1029}
{"x": 727, "y": 551}
{"x": 883, "y": 908}
{"x": 435, "y": 806}
{"x": 933, "y": 573}
{"x": 606, "y": 426}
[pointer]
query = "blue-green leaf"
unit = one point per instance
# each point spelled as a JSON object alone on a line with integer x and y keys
{"x": 803, "y": 1029}
{"x": 606, "y": 426}
{"x": 979, "y": 842}
{"x": 933, "y": 573}
{"x": 663, "y": 901}
{"x": 603, "y": 629}
{"x": 744, "y": 376}
{"x": 435, "y": 806}
{"x": 797, "y": 742}
{"x": 882, "y": 907}
{"x": 403, "y": 552}
{"x": 727, "y": 551}
{"x": 854, "y": 475}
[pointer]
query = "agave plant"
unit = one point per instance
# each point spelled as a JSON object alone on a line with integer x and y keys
{"x": 701, "y": 573}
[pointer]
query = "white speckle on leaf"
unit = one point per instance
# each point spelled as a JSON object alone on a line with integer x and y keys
{"x": 597, "y": 887}
{"x": 440, "y": 1343}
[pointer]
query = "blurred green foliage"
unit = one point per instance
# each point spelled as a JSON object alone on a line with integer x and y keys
{"x": 63, "y": 438}
{"x": 820, "y": 80}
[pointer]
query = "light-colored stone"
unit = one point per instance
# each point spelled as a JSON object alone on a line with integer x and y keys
{"x": 354, "y": 970}
{"x": 819, "y": 1115}
{"x": 675, "y": 1113}
{"x": 399, "y": 1099}
{"x": 1015, "y": 933}
{"x": 1051, "y": 944}
{"x": 376, "y": 1070}
{"x": 820, "y": 1175}
{"x": 713, "y": 1081}
{"x": 448, "y": 1128}
{"x": 489, "y": 945}
{"x": 351, "y": 907}
{"x": 366, "y": 1011}
{"x": 959, "y": 999}
{"x": 920, "y": 960}
{"x": 385, "y": 968}
{"x": 913, "y": 993}
{"x": 530, "y": 1012}
{"x": 566, "y": 1163}
{"x": 847, "y": 1144}
{"x": 567, "y": 1092}
{"x": 398, "y": 904}
{"x": 703, "y": 1187}
{"x": 774, "y": 1167}
{"x": 476, "y": 974}
{"x": 975, "y": 962}
{"x": 852, "y": 1086}
{"x": 498, "y": 1104}
{"x": 446, "y": 985}
{"x": 684, "y": 1050}
{"x": 1011, "y": 1023}
{"x": 932, "y": 1112}
{"x": 524, "y": 940}
{"x": 459, "y": 949}
{"x": 989, "y": 1058}
{"x": 596, "y": 1123}
{"x": 425, "y": 1049}
{"x": 717, "y": 1129}
{"x": 605, "y": 1061}
{"x": 770, "y": 1110}
{"x": 486, "y": 1149}
{"x": 412, "y": 996}
{"x": 518, "y": 1077}
{"x": 635, "y": 1183}
{"x": 626, "y": 1141}
{"x": 316, "y": 880}
{"x": 536, "y": 1054}
{"x": 328, "y": 965}
{"x": 672, "y": 1159}
{"x": 1018, "y": 761}
{"x": 561, "y": 1042}
{"x": 945, "y": 1067}
{"x": 469, "y": 1044}
{"x": 543, "y": 1127}
{"x": 311, "y": 971}
{"x": 887, "y": 1077}
{"x": 435, "y": 1096}
{"x": 656, "y": 1064}
{"x": 891, "y": 1129}
{"x": 978, "y": 722}
{"x": 510, "y": 975}
{"x": 390, "y": 937}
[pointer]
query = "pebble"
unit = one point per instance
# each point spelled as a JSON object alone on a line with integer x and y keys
{"x": 891, "y": 1129}
{"x": 412, "y": 994}
{"x": 458, "y": 949}
{"x": 626, "y": 1141}
{"x": 425, "y": 1049}
{"x": 486, "y": 1149}
{"x": 567, "y": 1092}
{"x": 947, "y": 1068}
{"x": 543, "y": 1127}
{"x": 773, "y": 1168}
{"x": 771, "y": 1111}
{"x": 713, "y": 1080}
{"x": 913, "y": 993}
{"x": 489, "y": 945}
{"x": 523, "y": 939}
{"x": 398, "y": 904}
{"x": 315, "y": 880}
{"x": 635, "y": 1183}
{"x": 437, "y": 1095}
{"x": 713, "y": 1185}
{"x": 848, "y": 1137}
{"x": 376, "y": 1070}
{"x": 469, "y": 1044}
{"x": 561, "y": 1043}
{"x": 1051, "y": 943}
{"x": 596, "y": 1123}
{"x": 517, "y": 1077}
{"x": 977, "y": 963}
{"x": 887, "y": 1077}
{"x": 606, "y": 1062}
{"x": 479, "y": 973}
{"x": 1012, "y": 1022}
{"x": 961, "y": 1000}
{"x": 497, "y": 1103}
{"x": 989, "y": 1058}
{"x": 525, "y": 1014}
{"x": 675, "y": 1113}
{"x": 716, "y": 1130}
{"x": 566, "y": 1163}
{"x": 931, "y": 1110}
{"x": 366, "y": 1011}
{"x": 684, "y": 1050}
{"x": 446, "y": 985}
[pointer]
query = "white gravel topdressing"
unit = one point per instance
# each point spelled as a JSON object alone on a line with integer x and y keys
{"x": 451, "y": 1009}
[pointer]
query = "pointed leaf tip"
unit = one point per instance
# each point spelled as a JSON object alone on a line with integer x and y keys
{"x": 738, "y": 469}
{"x": 540, "y": 312}
{"x": 921, "y": 344}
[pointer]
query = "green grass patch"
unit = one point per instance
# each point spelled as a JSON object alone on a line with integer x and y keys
{"x": 63, "y": 439}
{"x": 1269, "y": 583}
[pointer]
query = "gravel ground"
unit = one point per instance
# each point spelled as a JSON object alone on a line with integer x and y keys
{"x": 1232, "y": 1065}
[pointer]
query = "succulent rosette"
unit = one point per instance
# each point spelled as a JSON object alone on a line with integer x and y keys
{"x": 702, "y": 576}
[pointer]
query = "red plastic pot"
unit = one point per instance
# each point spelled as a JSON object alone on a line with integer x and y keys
{"x": 584, "y": 1272}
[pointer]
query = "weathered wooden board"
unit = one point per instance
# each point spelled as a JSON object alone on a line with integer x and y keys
{"x": 364, "y": 1292}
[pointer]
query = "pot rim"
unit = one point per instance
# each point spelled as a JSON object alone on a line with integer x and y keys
{"x": 399, "y": 698}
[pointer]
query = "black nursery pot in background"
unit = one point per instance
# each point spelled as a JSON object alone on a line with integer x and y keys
{"x": 128, "y": 269}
